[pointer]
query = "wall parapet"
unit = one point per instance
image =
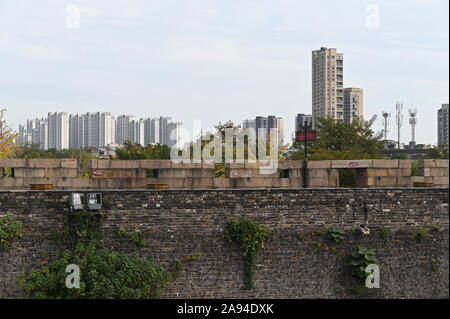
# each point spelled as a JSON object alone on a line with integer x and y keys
{"x": 144, "y": 174}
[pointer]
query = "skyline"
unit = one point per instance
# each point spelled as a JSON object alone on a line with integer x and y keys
{"x": 212, "y": 61}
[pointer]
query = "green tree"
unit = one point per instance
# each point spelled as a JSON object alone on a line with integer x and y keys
{"x": 7, "y": 138}
{"x": 133, "y": 151}
{"x": 341, "y": 141}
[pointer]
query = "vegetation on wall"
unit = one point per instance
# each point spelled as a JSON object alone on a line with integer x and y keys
{"x": 9, "y": 229}
{"x": 133, "y": 151}
{"x": 104, "y": 273}
{"x": 250, "y": 236}
{"x": 82, "y": 155}
{"x": 360, "y": 259}
{"x": 335, "y": 234}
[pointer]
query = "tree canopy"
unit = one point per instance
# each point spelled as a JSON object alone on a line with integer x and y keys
{"x": 341, "y": 141}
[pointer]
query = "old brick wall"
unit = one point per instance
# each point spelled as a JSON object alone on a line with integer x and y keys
{"x": 297, "y": 261}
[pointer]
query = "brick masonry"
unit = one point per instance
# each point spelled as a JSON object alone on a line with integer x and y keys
{"x": 297, "y": 261}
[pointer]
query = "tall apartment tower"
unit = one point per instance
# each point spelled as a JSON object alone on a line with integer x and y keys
{"x": 301, "y": 119}
{"x": 443, "y": 126}
{"x": 123, "y": 128}
{"x": 263, "y": 125}
{"x": 58, "y": 131}
{"x": 353, "y": 104}
{"x": 328, "y": 84}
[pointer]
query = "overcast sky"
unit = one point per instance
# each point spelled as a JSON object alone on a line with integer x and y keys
{"x": 214, "y": 60}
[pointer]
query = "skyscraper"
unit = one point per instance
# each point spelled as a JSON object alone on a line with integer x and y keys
{"x": 443, "y": 126}
{"x": 58, "y": 131}
{"x": 263, "y": 125}
{"x": 328, "y": 84}
{"x": 123, "y": 128}
{"x": 353, "y": 104}
{"x": 300, "y": 121}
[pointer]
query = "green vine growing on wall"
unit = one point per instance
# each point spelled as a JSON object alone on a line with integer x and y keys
{"x": 335, "y": 234}
{"x": 135, "y": 236}
{"x": 9, "y": 230}
{"x": 360, "y": 259}
{"x": 104, "y": 273}
{"x": 249, "y": 235}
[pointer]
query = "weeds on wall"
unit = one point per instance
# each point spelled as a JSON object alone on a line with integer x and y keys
{"x": 104, "y": 273}
{"x": 10, "y": 229}
{"x": 250, "y": 236}
{"x": 360, "y": 259}
{"x": 335, "y": 234}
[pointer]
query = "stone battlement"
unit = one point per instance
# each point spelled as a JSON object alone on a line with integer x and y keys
{"x": 21, "y": 174}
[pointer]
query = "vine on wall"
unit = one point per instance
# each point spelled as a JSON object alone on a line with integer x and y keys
{"x": 9, "y": 229}
{"x": 250, "y": 236}
{"x": 104, "y": 273}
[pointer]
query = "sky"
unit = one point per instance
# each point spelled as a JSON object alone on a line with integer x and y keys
{"x": 219, "y": 60}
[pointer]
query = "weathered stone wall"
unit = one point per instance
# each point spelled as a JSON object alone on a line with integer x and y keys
{"x": 144, "y": 174}
{"x": 297, "y": 262}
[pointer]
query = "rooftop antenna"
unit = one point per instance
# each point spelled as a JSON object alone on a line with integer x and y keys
{"x": 399, "y": 120}
{"x": 386, "y": 117}
{"x": 413, "y": 122}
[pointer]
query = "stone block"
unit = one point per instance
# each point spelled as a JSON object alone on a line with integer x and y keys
{"x": 385, "y": 163}
{"x": 155, "y": 164}
{"x": 290, "y": 164}
{"x": 61, "y": 172}
{"x": 318, "y": 173}
{"x": 222, "y": 183}
{"x": 30, "y": 172}
{"x": 319, "y": 164}
{"x": 351, "y": 164}
{"x": 427, "y": 163}
{"x": 69, "y": 163}
{"x": 440, "y": 180}
{"x": 74, "y": 183}
{"x": 318, "y": 182}
{"x": 404, "y": 164}
{"x": 425, "y": 171}
{"x": 11, "y": 183}
{"x": 438, "y": 172}
{"x": 404, "y": 181}
{"x": 441, "y": 163}
{"x": 43, "y": 163}
{"x": 13, "y": 162}
{"x": 124, "y": 164}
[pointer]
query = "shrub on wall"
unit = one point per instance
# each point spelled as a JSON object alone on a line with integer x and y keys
{"x": 361, "y": 258}
{"x": 250, "y": 236}
{"x": 104, "y": 273}
{"x": 9, "y": 229}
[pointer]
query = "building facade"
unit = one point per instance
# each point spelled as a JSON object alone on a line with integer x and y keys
{"x": 328, "y": 84}
{"x": 58, "y": 131}
{"x": 301, "y": 119}
{"x": 443, "y": 126}
{"x": 353, "y": 104}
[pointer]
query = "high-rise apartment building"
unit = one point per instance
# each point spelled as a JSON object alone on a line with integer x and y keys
{"x": 328, "y": 84}
{"x": 137, "y": 133}
{"x": 123, "y": 128}
{"x": 97, "y": 130}
{"x": 301, "y": 119}
{"x": 353, "y": 104}
{"x": 443, "y": 126}
{"x": 263, "y": 125}
{"x": 58, "y": 131}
